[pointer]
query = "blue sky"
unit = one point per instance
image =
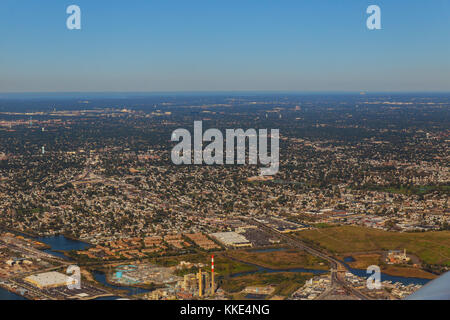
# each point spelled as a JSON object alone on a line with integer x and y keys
{"x": 211, "y": 45}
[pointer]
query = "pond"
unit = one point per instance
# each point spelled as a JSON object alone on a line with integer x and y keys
{"x": 61, "y": 243}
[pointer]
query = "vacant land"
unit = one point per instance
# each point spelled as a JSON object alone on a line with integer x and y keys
{"x": 285, "y": 282}
{"x": 223, "y": 265}
{"x": 401, "y": 271}
{"x": 281, "y": 259}
{"x": 430, "y": 247}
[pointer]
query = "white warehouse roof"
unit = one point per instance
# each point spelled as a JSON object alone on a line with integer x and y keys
{"x": 49, "y": 279}
{"x": 230, "y": 238}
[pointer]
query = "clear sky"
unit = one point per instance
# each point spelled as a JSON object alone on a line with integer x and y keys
{"x": 202, "y": 45}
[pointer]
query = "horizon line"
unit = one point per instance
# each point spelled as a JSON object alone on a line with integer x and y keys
{"x": 361, "y": 92}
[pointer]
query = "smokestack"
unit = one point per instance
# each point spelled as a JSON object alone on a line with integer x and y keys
{"x": 200, "y": 282}
{"x": 212, "y": 275}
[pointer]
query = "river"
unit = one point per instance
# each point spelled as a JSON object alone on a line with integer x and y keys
{"x": 6, "y": 295}
{"x": 62, "y": 243}
{"x": 356, "y": 272}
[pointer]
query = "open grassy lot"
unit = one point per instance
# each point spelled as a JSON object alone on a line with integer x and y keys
{"x": 401, "y": 271}
{"x": 430, "y": 247}
{"x": 283, "y": 259}
{"x": 285, "y": 282}
{"x": 222, "y": 264}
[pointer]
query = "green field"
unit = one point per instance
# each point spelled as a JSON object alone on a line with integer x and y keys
{"x": 430, "y": 247}
{"x": 223, "y": 265}
{"x": 283, "y": 259}
{"x": 285, "y": 282}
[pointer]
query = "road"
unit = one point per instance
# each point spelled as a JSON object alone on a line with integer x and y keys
{"x": 337, "y": 267}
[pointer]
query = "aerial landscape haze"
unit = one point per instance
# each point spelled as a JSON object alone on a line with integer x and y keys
{"x": 214, "y": 159}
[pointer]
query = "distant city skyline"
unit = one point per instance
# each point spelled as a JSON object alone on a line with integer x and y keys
{"x": 226, "y": 46}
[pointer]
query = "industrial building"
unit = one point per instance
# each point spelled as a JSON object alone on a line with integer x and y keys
{"x": 231, "y": 239}
{"x": 397, "y": 257}
{"x": 50, "y": 280}
{"x": 200, "y": 284}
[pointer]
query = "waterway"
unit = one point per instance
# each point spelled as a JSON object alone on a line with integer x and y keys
{"x": 358, "y": 272}
{"x": 6, "y": 295}
{"x": 62, "y": 243}
{"x": 384, "y": 277}
{"x": 56, "y": 243}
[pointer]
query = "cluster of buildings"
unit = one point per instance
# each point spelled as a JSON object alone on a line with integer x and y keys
{"x": 321, "y": 287}
{"x": 122, "y": 193}
{"x": 313, "y": 288}
{"x": 126, "y": 198}
{"x": 20, "y": 255}
{"x": 54, "y": 285}
{"x": 202, "y": 241}
{"x": 245, "y": 236}
{"x": 401, "y": 222}
{"x": 388, "y": 291}
{"x": 28, "y": 271}
{"x": 397, "y": 257}
{"x": 143, "y": 273}
{"x": 135, "y": 248}
{"x": 199, "y": 285}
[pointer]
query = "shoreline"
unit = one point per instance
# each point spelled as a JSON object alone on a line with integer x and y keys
{"x": 392, "y": 273}
{"x": 404, "y": 271}
{"x": 13, "y": 291}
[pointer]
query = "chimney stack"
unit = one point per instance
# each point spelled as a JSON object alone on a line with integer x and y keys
{"x": 212, "y": 276}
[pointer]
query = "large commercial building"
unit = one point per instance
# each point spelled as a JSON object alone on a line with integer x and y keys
{"x": 49, "y": 280}
{"x": 231, "y": 239}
